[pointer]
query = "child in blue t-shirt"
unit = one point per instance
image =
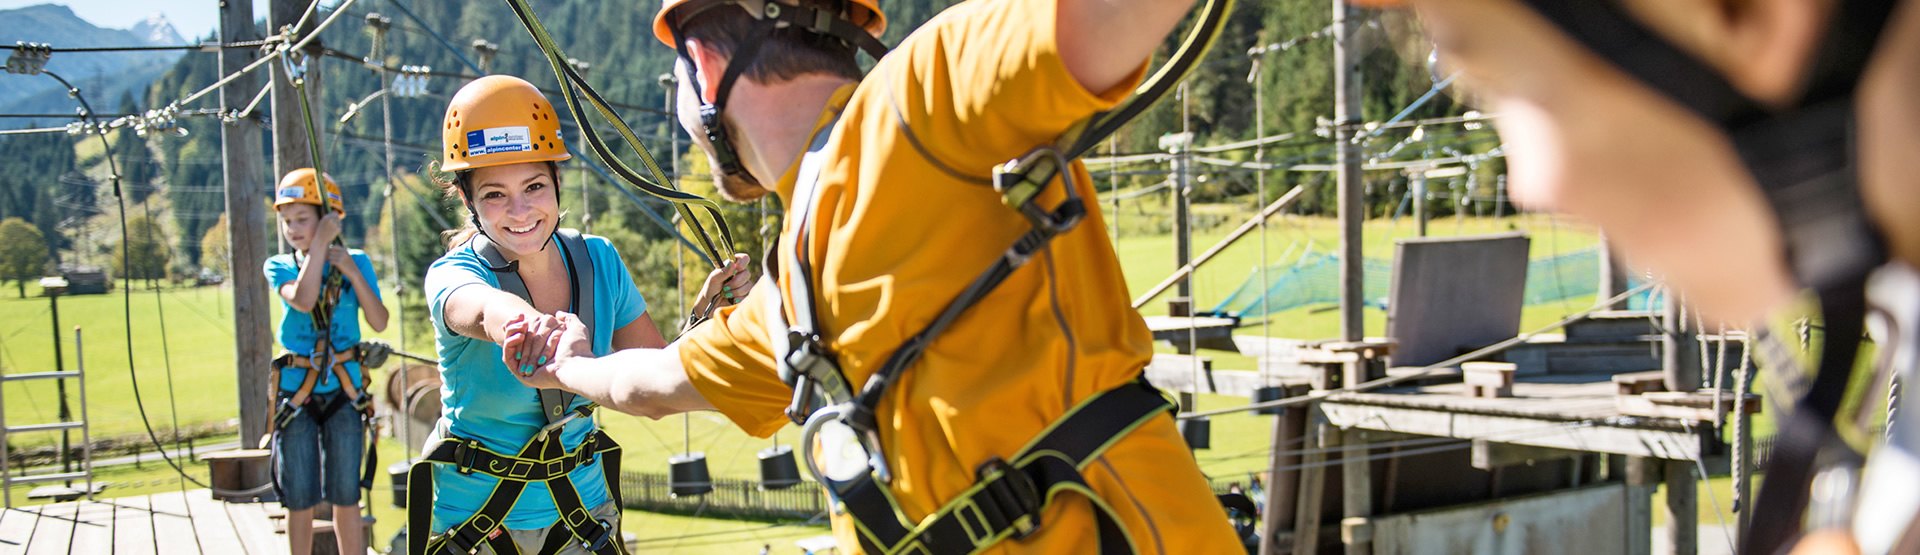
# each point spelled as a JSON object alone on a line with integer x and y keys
{"x": 317, "y": 429}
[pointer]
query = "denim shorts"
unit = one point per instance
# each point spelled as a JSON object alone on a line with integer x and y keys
{"x": 308, "y": 446}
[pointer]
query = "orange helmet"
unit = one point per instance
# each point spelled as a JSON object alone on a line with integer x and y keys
{"x": 298, "y": 187}
{"x": 498, "y": 120}
{"x": 865, "y": 13}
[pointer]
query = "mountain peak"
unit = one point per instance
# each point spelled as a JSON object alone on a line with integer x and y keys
{"x": 157, "y": 30}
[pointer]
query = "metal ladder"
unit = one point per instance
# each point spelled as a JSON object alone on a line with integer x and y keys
{"x": 7, "y": 477}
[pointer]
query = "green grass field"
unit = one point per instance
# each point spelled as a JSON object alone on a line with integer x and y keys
{"x": 199, "y": 343}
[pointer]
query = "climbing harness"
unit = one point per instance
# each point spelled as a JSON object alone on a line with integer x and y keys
{"x": 543, "y": 460}
{"x": 1009, "y": 494}
{"x": 1803, "y": 158}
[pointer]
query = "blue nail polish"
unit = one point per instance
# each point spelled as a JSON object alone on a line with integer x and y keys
{"x": 516, "y": 356}
{"x": 543, "y": 360}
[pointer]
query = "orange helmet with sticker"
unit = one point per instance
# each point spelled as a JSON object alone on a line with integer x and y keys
{"x": 499, "y": 120}
{"x": 865, "y": 13}
{"x": 300, "y": 187}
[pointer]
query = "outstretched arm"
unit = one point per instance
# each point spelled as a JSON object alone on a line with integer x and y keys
{"x": 1103, "y": 42}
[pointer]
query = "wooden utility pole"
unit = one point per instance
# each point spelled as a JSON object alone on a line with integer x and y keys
{"x": 246, "y": 183}
{"x": 1346, "y": 111}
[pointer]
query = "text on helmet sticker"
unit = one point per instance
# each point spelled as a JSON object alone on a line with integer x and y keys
{"x": 294, "y": 191}
{"x": 498, "y": 139}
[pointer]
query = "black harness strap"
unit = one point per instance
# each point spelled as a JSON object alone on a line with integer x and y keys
{"x": 1007, "y": 501}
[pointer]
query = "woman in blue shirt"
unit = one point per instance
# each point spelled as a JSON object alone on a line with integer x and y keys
{"x": 504, "y": 278}
{"x": 317, "y": 438}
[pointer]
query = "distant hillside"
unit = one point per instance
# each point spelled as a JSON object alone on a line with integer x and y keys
{"x": 106, "y": 77}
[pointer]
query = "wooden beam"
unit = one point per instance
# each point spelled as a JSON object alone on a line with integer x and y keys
{"x": 1682, "y": 509}
{"x": 1643, "y": 475}
{"x": 1597, "y": 437}
{"x": 1356, "y": 475}
{"x": 1281, "y": 484}
{"x": 1488, "y": 455}
{"x": 1306, "y": 511}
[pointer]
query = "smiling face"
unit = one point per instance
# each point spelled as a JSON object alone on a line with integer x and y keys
{"x": 518, "y": 205}
{"x": 1584, "y": 139}
{"x": 296, "y": 224}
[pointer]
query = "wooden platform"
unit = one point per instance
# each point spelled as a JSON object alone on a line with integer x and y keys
{"x": 1205, "y": 332}
{"x": 1579, "y": 412}
{"x": 162, "y": 523}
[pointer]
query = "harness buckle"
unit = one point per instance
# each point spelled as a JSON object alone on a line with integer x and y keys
{"x": 466, "y": 455}
{"x": 1014, "y": 492}
{"x": 602, "y": 533}
{"x": 1020, "y": 181}
{"x": 284, "y": 414}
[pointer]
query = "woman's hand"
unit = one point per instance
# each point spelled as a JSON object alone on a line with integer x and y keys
{"x": 726, "y": 286}
{"x": 570, "y": 341}
{"x": 529, "y": 342}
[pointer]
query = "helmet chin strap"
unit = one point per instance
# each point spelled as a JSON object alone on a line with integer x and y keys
{"x": 726, "y": 156}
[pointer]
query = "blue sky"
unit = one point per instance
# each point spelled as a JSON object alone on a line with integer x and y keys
{"x": 194, "y": 18}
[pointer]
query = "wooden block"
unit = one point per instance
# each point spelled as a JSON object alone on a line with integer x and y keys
{"x": 1489, "y": 379}
{"x": 1696, "y": 406}
{"x": 1636, "y": 383}
{"x": 238, "y": 475}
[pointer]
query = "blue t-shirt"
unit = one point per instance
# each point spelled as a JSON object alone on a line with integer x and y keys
{"x": 296, "y": 327}
{"x": 481, "y": 400}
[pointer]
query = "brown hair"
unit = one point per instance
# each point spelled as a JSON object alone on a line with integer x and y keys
{"x": 460, "y": 187}
{"x": 786, "y": 53}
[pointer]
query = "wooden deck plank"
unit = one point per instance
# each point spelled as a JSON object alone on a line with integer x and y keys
{"x": 16, "y": 529}
{"x": 93, "y": 533}
{"x": 212, "y": 524}
{"x": 132, "y": 525}
{"x": 255, "y": 529}
{"x": 53, "y": 533}
{"x": 173, "y": 526}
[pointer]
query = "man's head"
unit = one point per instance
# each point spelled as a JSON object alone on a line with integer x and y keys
{"x": 720, "y": 41}
{"x": 1585, "y": 137}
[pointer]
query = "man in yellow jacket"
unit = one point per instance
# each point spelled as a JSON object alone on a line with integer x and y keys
{"x": 891, "y": 213}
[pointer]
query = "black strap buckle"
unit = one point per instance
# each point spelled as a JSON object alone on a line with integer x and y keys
{"x": 466, "y": 455}
{"x": 1013, "y": 492}
{"x": 284, "y": 414}
{"x": 1021, "y": 180}
{"x": 599, "y": 537}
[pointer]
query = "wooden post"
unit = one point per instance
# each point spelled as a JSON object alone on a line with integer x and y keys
{"x": 244, "y": 176}
{"x": 1420, "y": 200}
{"x": 1680, "y": 352}
{"x": 1356, "y": 475}
{"x": 1682, "y": 509}
{"x": 1613, "y": 281}
{"x": 1281, "y": 484}
{"x": 1346, "y": 113}
{"x": 1643, "y": 475}
{"x": 1306, "y": 511}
